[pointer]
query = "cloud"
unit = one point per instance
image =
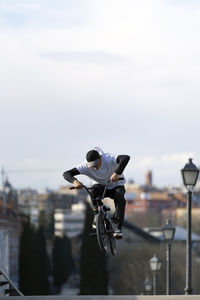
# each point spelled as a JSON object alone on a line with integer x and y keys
{"x": 166, "y": 160}
{"x": 19, "y": 6}
{"x": 43, "y": 14}
{"x": 177, "y": 157}
{"x": 166, "y": 168}
{"x": 88, "y": 57}
{"x": 124, "y": 75}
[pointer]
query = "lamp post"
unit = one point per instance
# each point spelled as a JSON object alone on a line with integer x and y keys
{"x": 189, "y": 175}
{"x": 168, "y": 233}
{"x": 147, "y": 286}
{"x": 155, "y": 265}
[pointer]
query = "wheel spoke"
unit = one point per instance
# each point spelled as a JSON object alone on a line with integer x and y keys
{"x": 102, "y": 235}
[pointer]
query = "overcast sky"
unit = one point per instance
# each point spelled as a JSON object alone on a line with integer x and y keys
{"x": 120, "y": 74}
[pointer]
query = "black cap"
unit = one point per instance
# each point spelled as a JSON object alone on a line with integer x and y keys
{"x": 92, "y": 156}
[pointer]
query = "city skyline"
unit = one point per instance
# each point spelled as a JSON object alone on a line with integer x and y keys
{"x": 122, "y": 75}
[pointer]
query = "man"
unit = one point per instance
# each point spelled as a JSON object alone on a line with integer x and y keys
{"x": 101, "y": 167}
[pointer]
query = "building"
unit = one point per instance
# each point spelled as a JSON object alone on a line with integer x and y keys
{"x": 66, "y": 205}
{"x": 145, "y": 198}
{"x": 28, "y": 204}
{"x": 4, "y": 256}
{"x": 9, "y": 231}
{"x": 32, "y": 202}
{"x": 69, "y": 222}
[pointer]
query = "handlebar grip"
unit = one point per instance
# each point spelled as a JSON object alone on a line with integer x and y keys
{"x": 72, "y": 188}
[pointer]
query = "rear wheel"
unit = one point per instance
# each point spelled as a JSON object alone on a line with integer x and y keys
{"x": 102, "y": 236}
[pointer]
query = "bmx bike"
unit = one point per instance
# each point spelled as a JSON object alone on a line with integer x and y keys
{"x": 104, "y": 226}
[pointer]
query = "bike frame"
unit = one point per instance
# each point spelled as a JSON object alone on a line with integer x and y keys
{"x": 99, "y": 207}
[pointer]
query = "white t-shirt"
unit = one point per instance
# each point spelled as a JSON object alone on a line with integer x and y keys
{"x": 107, "y": 168}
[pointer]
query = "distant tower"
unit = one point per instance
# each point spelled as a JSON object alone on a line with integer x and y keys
{"x": 148, "y": 178}
{"x": 7, "y": 186}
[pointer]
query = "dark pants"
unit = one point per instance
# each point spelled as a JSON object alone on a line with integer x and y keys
{"x": 117, "y": 194}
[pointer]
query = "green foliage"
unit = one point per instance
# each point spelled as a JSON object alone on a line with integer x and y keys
{"x": 67, "y": 257}
{"x": 131, "y": 267}
{"x": 25, "y": 258}
{"x": 33, "y": 275}
{"x": 93, "y": 267}
{"x": 62, "y": 260}
{"x": 47, "y": 222}
{"x": 42, "y": 285}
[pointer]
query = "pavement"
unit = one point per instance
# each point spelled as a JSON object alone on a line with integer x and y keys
{"x": 113, "y": 297}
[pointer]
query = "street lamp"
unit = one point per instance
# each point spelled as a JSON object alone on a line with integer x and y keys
{"x": 155, "y": 265}
{"x": 189, "y": 174}
{"x": 147, "y": 286}
{"x": 168, "y": 233}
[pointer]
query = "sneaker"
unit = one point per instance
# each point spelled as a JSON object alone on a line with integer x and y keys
{"x": 118, "y": 233}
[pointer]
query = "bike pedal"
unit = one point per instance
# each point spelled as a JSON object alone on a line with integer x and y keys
{"x": 118, "y": 237}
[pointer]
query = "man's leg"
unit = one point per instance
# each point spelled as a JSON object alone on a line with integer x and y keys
{"x": 118, "y": 195}
{"x": 96, "y": 193}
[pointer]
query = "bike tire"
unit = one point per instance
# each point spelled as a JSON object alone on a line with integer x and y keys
{"x": 102, "y": 236}
{"x": 112, "y": 241}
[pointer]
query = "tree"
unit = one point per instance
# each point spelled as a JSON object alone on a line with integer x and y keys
{"x": 25, "y": 258}
{"x": 68, "y": 260}
{"x": 33, "y": 275}
{"x": 47, "y": 222}
{"x": 131, "y": 266}
{"x": 62, "y": 260}
{"x": 58, "y": 271}
{"x": 41, "y": 263}
{"x": 93, "y": 267}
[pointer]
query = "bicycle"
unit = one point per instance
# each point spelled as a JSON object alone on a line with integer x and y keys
{"x": 104, "y": 227}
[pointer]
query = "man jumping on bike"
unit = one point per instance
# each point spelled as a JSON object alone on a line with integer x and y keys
{"x": 101, "y": 167}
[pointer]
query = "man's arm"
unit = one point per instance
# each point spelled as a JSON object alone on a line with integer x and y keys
{"x": 122, "y": 161}
{"x": 69, "y": 176}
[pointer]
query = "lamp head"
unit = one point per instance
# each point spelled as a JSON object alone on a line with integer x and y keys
{"x": 190, "y": 174}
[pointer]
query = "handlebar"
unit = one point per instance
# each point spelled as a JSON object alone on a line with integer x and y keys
{"x": 73, "y": 188}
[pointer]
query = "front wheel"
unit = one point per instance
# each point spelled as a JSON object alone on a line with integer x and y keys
{"x": 112, "y": 240}
{"x": 102, "y": 236}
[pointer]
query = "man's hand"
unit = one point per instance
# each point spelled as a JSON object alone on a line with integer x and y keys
{"x": 77, "y": 184}
{"x": 114, "y": 177}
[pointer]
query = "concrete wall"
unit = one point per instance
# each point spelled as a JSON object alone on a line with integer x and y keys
{"x": 94, "y": 297}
